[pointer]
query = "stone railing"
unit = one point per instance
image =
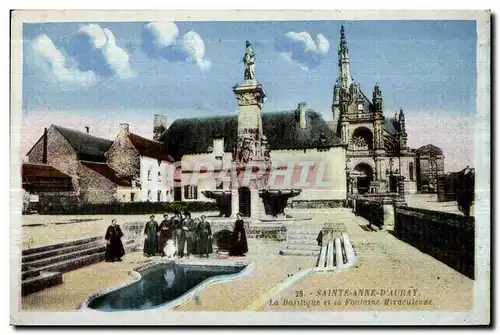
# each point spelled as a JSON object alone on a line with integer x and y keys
{"x": 447, "y": 237}
{"x": 371, "y": 210}
{"x": 309, "y": 204}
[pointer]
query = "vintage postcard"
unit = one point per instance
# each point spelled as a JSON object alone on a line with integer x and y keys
{"x": 250, "y": 168}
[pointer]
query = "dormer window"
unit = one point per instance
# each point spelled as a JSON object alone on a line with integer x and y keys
{"x": 360, "y": 108}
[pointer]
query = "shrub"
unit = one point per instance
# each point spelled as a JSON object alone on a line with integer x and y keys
{"x": 133, "y": 208}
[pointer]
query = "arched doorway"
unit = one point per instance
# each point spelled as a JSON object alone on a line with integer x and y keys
{"x": 244, "y": 200}
{"x": 363, "y": 175}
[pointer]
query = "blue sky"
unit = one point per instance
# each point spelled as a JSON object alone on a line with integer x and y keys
{"x": 130, "y": 70}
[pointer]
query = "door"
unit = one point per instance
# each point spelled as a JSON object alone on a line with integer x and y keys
{"x": 244, "y": 201}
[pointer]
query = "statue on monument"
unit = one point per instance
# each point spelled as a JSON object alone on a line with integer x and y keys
{"x": 249, "y": 61}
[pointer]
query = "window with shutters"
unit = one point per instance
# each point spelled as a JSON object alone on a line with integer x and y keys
{"x": 191, "y": 192}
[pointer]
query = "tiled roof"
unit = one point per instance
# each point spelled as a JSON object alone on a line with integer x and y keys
{"x": 45, "y": 178}
{"x": 88, "y": 147}
{"x": 108, "y": 172}
{"x": 148, "y": 147}
{"x": 196, "y": 135}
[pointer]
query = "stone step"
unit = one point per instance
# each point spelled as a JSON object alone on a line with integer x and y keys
{"x": 59, "y": 251}
{"x": 39, "y": 263}
{"x": 306, "y": 230}
{"x": 303, "y": 246}
{"x": 290, "y": 252}
{"x": 310, "y": 237}
{"x": 45, "y": 248}
{"x": 72, "y": 264}
{"x": 42, "y": 281}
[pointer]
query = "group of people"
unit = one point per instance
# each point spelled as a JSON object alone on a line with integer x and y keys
{"x": 186, "y": 236}
{"x": 178, "y": 235}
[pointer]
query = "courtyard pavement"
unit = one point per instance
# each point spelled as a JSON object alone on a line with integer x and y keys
{"x": 384, "y": 263}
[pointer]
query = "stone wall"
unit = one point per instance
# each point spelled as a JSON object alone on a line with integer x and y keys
{"x": 60, "y": 155}
{"x": 299, "y": 204}
{"x": 123, "y": 157}
{"x": 447, "y": 237}
{"x": 95, "y": 188}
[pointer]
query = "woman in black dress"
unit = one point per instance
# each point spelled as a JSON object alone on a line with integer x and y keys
{"x": 165, "y": 234}
{"x": 239, "y": 245}
{"x": 114, "y": 245}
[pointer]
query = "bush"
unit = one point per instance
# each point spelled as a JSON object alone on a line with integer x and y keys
{"x": 133, "y": 208}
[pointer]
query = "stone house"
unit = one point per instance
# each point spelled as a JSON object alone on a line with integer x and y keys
{"x": 144, "y": 163}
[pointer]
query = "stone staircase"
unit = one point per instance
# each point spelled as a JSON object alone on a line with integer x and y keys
{"x": 43, "y": 267}
{"x": 301, "y": 239}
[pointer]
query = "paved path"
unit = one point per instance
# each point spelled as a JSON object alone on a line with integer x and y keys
{"x": 384, "y": 263}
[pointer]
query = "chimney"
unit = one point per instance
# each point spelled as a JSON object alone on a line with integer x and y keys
{"x": 87, "y": 129}
{"x": 301, "y": 114}
{"x": 124, "y": 128}
{"x": 44, "y": 157}
{"x": 159, "y": 126}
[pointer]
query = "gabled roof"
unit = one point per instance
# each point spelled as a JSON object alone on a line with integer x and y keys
{"x": 87, "y": 146}
{"x": 108, "y": 172}
{"x": 195, "y": 135}
{"x": 45, "y": 178}
{"x": 148, "y": 147}
{"x": 429, "y": 148}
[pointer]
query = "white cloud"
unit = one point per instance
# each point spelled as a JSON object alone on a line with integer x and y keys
{"x": 91, "y": 53}
{"x": 302, "y": 48}
{"x": 161, "y": 40}
{"x": 95, "y": 49}
{"x": 54, "y": 64}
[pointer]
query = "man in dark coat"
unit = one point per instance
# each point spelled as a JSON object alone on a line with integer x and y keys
{"x": 239, "y": 246}
{"x": 165, "y": 234}
{"x": 114, "y": 245}
{"x": 190, "y": 233}
{"x": 204, "y": 237}
{"x": 178, "y": 233}
{"x": 151, "y": 241}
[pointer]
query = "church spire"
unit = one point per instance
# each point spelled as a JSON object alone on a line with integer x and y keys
{"x": 345, "y": 73}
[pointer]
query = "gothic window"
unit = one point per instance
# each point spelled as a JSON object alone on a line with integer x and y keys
{"x": 159, "y": 195}
{"x": 410, "y": 168}
{"x": 360, "y": 142}
{"x": 362, "y": 139}
{"x": 149, "y": 175}
{"x": 159, "y": 177}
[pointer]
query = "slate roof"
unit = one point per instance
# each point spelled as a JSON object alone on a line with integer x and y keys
{"x": 195, "y": 135}
{"x": 391, "y": 125}
{"x": 44, "y": 178}
{"x": 108, "y": 172}
{"x": 148, "y": 147}
{"x": 88, "y": 147}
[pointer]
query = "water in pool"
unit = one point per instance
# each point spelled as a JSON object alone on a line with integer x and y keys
{"x": 159, "y": 286}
